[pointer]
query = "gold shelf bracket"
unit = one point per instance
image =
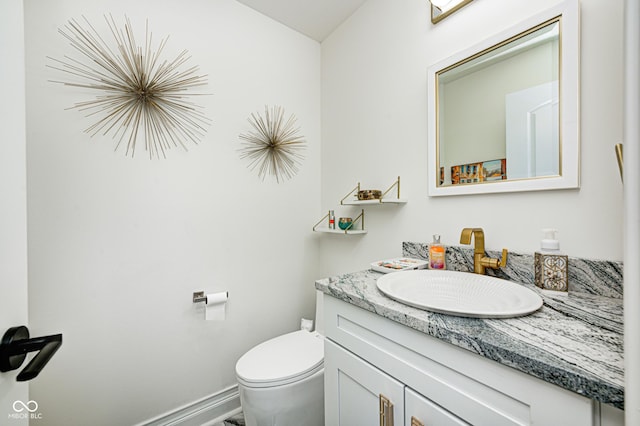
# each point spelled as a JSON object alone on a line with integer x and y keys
{"x": 354, "y": 190}
{"x": 326, "y": 216}
{"x": 359, "y": 217}
{"x": 397, "y": 185}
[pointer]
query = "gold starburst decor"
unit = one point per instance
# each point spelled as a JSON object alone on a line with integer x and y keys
{"x": 138, "y": 92}
{"x": 274, "y": 146}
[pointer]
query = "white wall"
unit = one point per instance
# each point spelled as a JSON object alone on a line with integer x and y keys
{"x": 374, "y": 113}
{"x": 118, "y": 245}
{"x": 13, "y": 192}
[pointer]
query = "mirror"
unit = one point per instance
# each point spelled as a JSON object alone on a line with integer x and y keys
{"x": 503, "y": 115}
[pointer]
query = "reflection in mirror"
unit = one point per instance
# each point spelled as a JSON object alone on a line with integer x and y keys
{"x": 507, "y": 99}
{"x": 506, "y": 114}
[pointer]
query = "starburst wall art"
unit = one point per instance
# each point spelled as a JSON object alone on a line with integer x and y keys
{"x": 274, "y": 146}
{"x": 138, "y": 92}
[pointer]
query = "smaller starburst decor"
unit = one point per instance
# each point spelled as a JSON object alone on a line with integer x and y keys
{"x": 138, "y": 92}
{"x": 274, "y": 146}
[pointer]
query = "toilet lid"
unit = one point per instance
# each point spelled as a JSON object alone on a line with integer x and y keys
{"x": 283, "y": 359}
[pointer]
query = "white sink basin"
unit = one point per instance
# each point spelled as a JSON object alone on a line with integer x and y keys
{"x": 460, "y": 293}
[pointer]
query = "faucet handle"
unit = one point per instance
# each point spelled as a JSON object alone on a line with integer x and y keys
{"x": 489, "y": 262}
{"x": 503, "y": 261}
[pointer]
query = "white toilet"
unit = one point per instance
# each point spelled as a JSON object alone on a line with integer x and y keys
{"x": 281, "y": 381}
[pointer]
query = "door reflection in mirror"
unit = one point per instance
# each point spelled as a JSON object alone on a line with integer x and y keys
{"x": 502, "y": 104}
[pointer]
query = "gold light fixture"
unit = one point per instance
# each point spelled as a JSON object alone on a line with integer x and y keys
{"x": 274, "y": 147}
{"x": 137, "y": 91}
{"x": 440, "y": 9}
{"x": 440, "y": 4}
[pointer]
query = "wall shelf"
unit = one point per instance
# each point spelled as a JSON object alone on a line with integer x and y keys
{"x": 349, "y": 231}
{"x": 374, "y": 202}
{"x": 340, "y": 231}
{"x": 381, "y": 200}
{"x": 387, "y": 197}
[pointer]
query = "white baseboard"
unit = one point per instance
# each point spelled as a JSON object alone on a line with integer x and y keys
{"x": 206, "y": 411}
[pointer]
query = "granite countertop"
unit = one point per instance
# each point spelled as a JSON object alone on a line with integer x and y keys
{"x": 574, "y": 341}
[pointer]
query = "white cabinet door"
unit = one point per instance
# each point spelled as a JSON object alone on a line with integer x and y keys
{"x": 419, "y": 411}
{"x": 355, "y": 391}
{"x": 611, "y": 416}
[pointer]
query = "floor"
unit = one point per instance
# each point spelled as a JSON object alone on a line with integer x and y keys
{"x": 237, "y": 420}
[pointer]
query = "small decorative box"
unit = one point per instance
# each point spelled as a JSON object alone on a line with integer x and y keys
{"x": 551, "y": 271}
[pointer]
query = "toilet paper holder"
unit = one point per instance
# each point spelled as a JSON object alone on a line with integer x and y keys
{"x": 199, "y": 296}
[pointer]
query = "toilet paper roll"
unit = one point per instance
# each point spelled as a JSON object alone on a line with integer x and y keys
{"x": 306, "y": 324}
{"x": 216, "y": 306}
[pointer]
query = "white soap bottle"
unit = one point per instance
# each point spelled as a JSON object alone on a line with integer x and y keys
{"x": 551, "y": 268}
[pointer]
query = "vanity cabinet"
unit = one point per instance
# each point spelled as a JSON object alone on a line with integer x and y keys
{"x": 370, "y": 360}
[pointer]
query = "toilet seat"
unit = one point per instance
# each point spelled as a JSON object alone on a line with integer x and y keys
{"x": 284, "y": 359}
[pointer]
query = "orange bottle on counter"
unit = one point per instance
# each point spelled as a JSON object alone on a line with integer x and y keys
{"x": 437, "y": 254}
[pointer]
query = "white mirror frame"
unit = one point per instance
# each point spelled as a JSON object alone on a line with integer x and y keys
{"x": 569, "y": 108}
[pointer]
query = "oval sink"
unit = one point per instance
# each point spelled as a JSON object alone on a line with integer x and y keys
{"x": 460, "y": 293}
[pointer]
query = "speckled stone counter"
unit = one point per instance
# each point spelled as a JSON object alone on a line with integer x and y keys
{"x": 574, "y": 341}
{"x": 597, "y": 277}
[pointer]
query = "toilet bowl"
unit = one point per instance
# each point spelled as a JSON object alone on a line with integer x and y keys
{"x": 281, "y": 381}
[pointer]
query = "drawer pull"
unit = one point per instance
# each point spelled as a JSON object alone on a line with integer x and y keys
{"x": 416, "y": 422}
{"x": 386, "y": 411}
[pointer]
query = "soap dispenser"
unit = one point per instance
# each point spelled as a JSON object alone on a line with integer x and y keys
{"x": 437, "y": 254}
{"x": 550, "y": 266}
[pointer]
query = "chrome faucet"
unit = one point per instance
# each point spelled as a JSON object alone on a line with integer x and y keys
{"x": 480, "y": 261}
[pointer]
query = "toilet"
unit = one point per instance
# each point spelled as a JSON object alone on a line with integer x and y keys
{"x": 281, "y": 381}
